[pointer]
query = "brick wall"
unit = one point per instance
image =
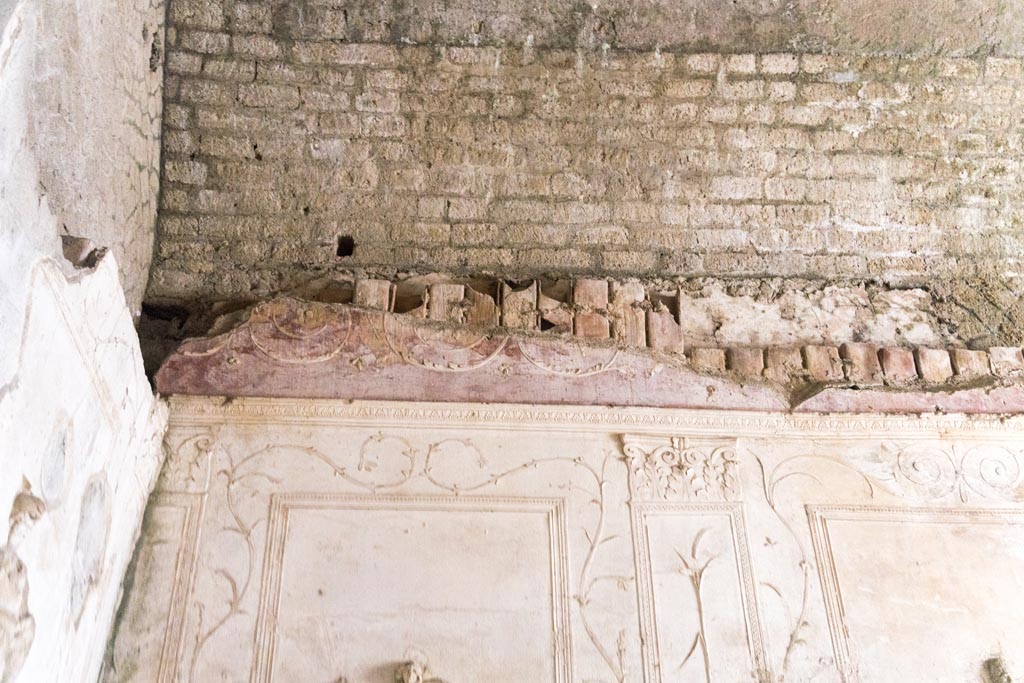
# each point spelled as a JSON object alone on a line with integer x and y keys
{"x": 525, "y": 161}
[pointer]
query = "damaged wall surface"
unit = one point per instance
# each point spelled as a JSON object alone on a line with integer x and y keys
{"x": 80, "y": 427}
{"x": 290, "y": 152}
{"x": 856, "y": 26}
{"x": 594, "y": 350}
{"x": 82, "y": 436}
{"x": 80, "y": 134}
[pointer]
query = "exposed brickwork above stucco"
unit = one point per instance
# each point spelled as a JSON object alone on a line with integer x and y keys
{"x": 282, "y": 136}
{"x": 963, "y": 27}
{"x": 462, "y": 345}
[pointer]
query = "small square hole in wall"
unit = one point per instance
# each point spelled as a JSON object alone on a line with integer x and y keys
{"x": 346, "y": 246}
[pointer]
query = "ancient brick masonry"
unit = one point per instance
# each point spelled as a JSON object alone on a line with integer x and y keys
{"x": 627, "y": 313}
{"x": 523, "y": 160}
{"x": 542, "y": 342}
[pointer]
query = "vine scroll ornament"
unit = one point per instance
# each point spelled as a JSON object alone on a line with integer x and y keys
{"x": 385, "y": 464}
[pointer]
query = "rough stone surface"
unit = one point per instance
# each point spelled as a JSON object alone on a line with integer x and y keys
{"x": 1006, "y": 361}
{"x": 969, "y": 364}
{"x": 898, "y": 365}
{"x": 707, "y": 360}
{"x": 893, "y": 170}
{"x": 664, "y": 333}
{"x": 934, "y": 364}
{"x": 493, "y": 519}
{"x": 745, "y": 362}
{"x": 373, "y": 294}
{"x": 860, "y": 362}
{"x": 629, "y": 319}
{"x": 784, "y": 365}
{"x": 823, "y": 363}
{"x": 860, "y": 26}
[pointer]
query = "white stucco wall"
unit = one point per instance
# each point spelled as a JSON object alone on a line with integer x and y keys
{"x": 79, "y": 114}
{"x": 301, "y": 540}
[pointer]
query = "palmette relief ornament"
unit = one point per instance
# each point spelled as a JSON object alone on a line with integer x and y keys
{"x": 17, "y": 625}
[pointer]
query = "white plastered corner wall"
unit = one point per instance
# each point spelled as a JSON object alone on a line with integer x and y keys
{"x": 331, "y": 540}
{"x": 80, "y": 424}
{"x": 79, "y": 140}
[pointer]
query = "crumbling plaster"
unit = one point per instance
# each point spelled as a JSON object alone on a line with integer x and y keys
{"x": 79, "y": 425}
{"x": 79, "y": 132}
{"x": 291, "y": 127}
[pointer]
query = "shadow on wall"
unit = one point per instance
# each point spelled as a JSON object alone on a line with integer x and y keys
{"x": 6, "y": 10}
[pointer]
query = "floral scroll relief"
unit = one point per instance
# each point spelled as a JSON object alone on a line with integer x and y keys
{"x": 186, "y": 466}
{"x": 938, "y": 471}
{"x": 677, "y": 469}
{"x": 387, "y": 463}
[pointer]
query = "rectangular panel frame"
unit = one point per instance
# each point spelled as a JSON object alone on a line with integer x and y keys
{"x": 265, "y": 642}
{"x": 640, "y": 511}
{"x": 818, "y": 518}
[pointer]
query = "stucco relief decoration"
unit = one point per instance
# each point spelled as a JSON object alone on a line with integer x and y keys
{"x": 290, "y": 348}
{"x": 186, "y": 466}
{"x": 692, "y": 566}
{"x": 17, "y": 625}
{"x": 936, "y": 471}
{"x": 310, "y": 333}
{"x": 678, "y": 469}
{"x": 300, "y": 333}
{"x": 665, "y": 559}
{"x": 384, "y": 464}
{"x": 415, "y": 670}
{"x": 460, "y": 350}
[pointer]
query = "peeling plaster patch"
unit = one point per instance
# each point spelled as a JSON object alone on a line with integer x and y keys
{"x": 54, "y": 463}
{"x": 90, "y": 543}
{"x": 811, "y": 313}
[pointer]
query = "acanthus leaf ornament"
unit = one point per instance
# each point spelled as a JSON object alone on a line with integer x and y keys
{"x": 673, "y": 468}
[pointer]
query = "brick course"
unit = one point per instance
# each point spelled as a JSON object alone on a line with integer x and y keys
{"x": 526, "y": 161}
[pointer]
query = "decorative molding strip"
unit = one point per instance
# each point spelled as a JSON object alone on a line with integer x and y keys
{"x": 300, "y": 349}
{"x": 184, "y": 575}
{"x": 205, "y": 410}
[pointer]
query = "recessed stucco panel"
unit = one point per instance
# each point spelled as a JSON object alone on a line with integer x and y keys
{"x": 81, "y": 433}
{"x": 81, "y": 430}
{"x": 655, "y": 545}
